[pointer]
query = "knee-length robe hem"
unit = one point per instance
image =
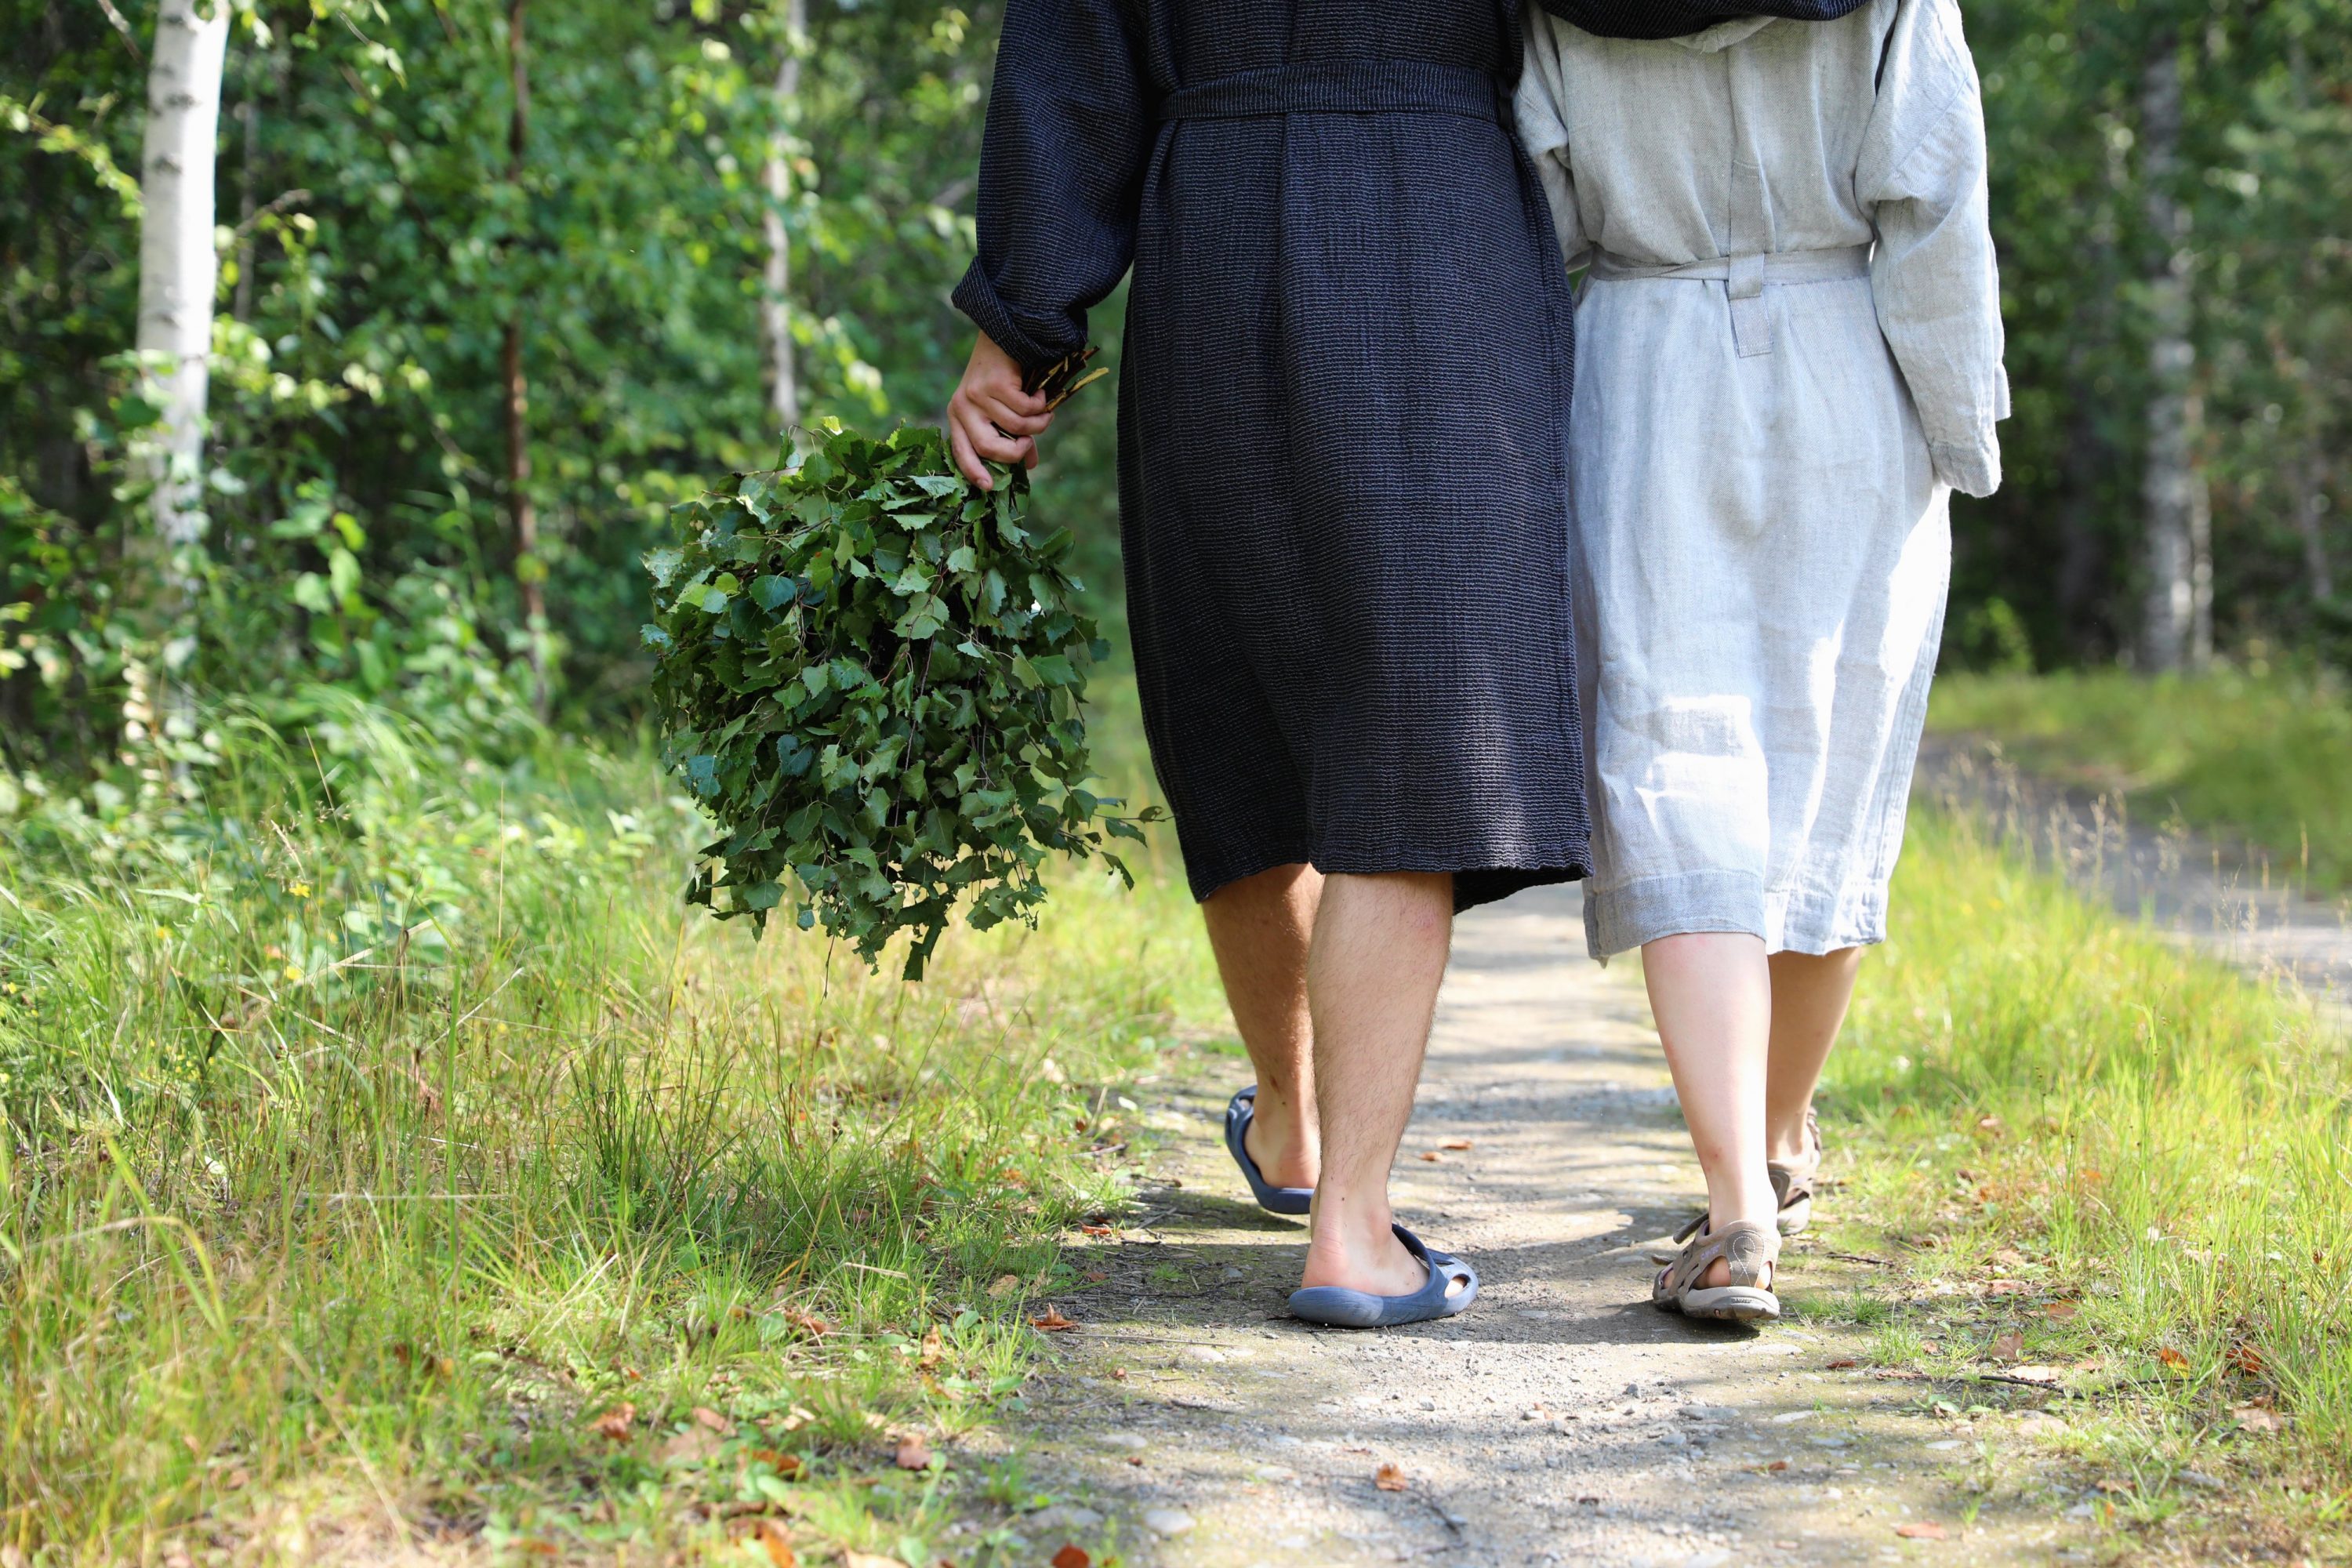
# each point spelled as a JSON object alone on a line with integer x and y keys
{"x": 1342, "y": 415}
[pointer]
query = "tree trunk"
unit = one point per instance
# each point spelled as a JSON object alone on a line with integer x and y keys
{"x": 2176, "y": 616}
{"x": 2307, "y": 494}
{"x": 529, "y": 571}
{"x": 775, "y": 306}
{"x": 177, "y": 267}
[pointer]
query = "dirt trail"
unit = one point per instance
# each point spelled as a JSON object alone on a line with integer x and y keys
{"x": 2210, "y": 895}
{"x": 1561, "y": 1419}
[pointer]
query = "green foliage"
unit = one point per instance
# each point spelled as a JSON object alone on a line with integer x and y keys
{"x": 869, "y": 672}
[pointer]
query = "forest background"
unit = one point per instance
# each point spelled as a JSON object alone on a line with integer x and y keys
{"x": 499, "y": 285}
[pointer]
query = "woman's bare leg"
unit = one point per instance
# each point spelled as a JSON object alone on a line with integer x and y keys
{"x": 1711, "y": 993}
{"x": 1260, "y": 929}
{"x": 1809, "y": 994}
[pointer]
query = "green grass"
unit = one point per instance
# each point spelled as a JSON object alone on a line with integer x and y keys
{"x": 2260, "y": 758}
{"x": 378, "y": 1124}
{"x": 2038, "y": 1093}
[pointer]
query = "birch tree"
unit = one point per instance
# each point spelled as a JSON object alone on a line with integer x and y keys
{"x": 2176, "y": 613}
{"x": 177, "y": 265}
{"x": 775, "y": 305}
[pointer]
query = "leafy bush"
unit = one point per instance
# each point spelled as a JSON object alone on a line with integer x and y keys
{"x": 869, "y": 673}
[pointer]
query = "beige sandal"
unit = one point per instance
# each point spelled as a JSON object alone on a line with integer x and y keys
{"x": 1793, "y": 1181}
{"x": 1750, "y": 1252}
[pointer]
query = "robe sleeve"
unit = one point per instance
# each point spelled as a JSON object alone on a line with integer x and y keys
{"x": 1933, "y": 275}
{"x": 1061, "y": 171}
{"x": 1543, "y": 130}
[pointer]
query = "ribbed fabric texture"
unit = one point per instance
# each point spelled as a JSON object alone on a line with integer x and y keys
{"x": 1343, "y": 411}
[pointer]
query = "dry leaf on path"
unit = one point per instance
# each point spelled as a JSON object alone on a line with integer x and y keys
{"x": 2060, "y": 1309}
{"x": 712, "y": 1420}
{"x": 1920, "y": 1529}
{"x": 2045, "y": 1376}
{"x": 914, "y": 1452}
{"x": 786, "y": 1466}
{"x": 2007, "y": 1288}
{"x": 2256, "y": 1419}
{"x": 1388, "y": 1479}
{"x": 935, "y": 1345}
{"x": 1433, "y": 1156}
{"x": 689, "y": 1448}
{"x": 1052, "y": 1322}
{"x": 1072, "y": 1556}
{"x": 1005, "y": 1285}
{"x": 1457, "y": 1145}
{"x": 1099, "y": 1229}
{"x": 615, "y": 1423}
{"x": 798, "y": 1417}
{"x": 2248, "y": 1360}
{"x": 777, "y": 1545}
{"x": 2112, "y": 1485}
{"x": 2009, "y": 1347}
{"x": 1841, "y": 1362}
{"x": 868, "y": 1560}
{"x": 2172, "y": 1359}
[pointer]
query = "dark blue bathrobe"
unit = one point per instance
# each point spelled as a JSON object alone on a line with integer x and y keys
{"x": 1343, "y": 417}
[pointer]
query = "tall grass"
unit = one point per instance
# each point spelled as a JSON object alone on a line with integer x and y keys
{"x": 2054, "y": 1095}
{"x": 388, "y": 1152}
{"x": 2259, "y": 758}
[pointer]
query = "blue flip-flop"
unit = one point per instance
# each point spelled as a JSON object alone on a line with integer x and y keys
{"x": 1451, "y": 1286}
{"x": 1271, "y": 1198}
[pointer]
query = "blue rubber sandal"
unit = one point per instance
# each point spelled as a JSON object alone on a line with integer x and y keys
{"x": 1451, "y": 1286}
{"x": 1271, "y": 1198}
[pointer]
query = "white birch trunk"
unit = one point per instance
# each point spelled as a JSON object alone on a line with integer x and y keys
{"x": 775, "y": 304}
{"x": 2176, "y": 615}
{"x": 177, "y": 265}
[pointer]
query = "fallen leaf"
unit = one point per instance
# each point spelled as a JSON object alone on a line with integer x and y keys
{"x": 2172, "y": 1359}
{"x": 1388, "y": 1479}
{"x": 786, "y": 1466}
{"x": 1095, "y": 1275}
{"x": 798, "y": 1417}
{"x": 1120, "y": 1372}
{"x": 710, "y": 1419}
{"x": 2248, "y": 1360}
{"x": 1433, "y": 1156}
{"x": 2112, "y": 1485}
{"x": 2009, "y": 1347}
{"x": 779, "y": 1545}
{"x": 1136, "y": 1459}
{"x": 868, "y": 1560}
{"x": 1457, "y": 1145}
{"x": 1072, "y": 1556}
{"x": 2007, "y": 1288}
{"x": 1052, "y": 1322}
{"x": 1777, "y": 1466}
{"x": 1005, "y": 1285}
{"x": 536, "y": 1548}
{"x": 614, "y": 1422}
{"x": 2254, "y": 1418}
{"x": 809, "y": 1323}
{"x": 2060, "y": 1309}
{"x": 1841, "y": 1363}
{"x": 1920, "y": 1529}
{"x": 1099, "y": 1229}
{"x": 914, "y": 1452}
{"x": 935, "y": 1346}
{"x": 2047, "y": 1377}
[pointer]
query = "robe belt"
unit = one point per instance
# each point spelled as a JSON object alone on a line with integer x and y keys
{"x": 1751, "y": 328}
{"x": 1342, "y": 87}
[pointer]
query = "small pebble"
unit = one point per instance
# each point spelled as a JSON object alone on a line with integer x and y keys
{"x": 1946, "y": 1446}
{"x": 2199, "y": 1478}
{"x": 1167, "y": 1521}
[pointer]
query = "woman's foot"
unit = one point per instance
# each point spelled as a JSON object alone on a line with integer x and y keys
{"x": 1726, "y": 1274}
{"x": 1794, "y": 1174}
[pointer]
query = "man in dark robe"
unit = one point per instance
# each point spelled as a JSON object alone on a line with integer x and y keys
{"x": 1342, "y": 437}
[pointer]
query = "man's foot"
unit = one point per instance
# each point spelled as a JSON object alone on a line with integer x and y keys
{"x": 1284, "y": 1158}
{"x": 1374, "y": 1262}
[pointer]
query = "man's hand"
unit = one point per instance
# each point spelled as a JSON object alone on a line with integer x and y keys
{"x": 990, "y": 418}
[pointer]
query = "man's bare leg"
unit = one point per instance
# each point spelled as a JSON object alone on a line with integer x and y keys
{"x": 1260, "y": 929}
{"x": 1809, "y": 996}
{"x": 1711, "y": 993}
{"x": 1379, "y": 952}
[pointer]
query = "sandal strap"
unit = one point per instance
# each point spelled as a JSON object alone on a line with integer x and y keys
{"x": 1745, "y": 1248}
{"x": 1793, "y": 1180}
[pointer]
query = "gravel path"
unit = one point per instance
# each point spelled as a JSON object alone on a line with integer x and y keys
{"x": 1561, "y": 1419}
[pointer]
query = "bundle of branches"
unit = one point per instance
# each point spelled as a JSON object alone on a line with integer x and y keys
{"x": 869, "y": 672}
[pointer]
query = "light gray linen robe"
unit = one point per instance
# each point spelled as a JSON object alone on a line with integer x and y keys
{"x": 1789, "y": 354}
